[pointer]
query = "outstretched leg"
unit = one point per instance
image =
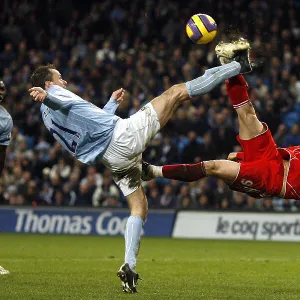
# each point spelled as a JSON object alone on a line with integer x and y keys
{"x": 237, "y": 87}
{"x": 249, "y": 125}
{"x": 223, "y": 169}
{"x": 166, "y": 104}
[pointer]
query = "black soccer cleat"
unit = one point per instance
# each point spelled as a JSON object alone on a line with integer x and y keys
{"x": 129, "y": 279}
{"x": 236, "y": 51}
{"x": 146, "y": 172}
{"x": 242, "y": 57}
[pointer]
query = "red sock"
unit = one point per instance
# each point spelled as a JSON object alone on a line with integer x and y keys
{"x": 237, "y": 89}
{"x": 184, "y": 172}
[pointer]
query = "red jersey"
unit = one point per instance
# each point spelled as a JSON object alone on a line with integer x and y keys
{"x": 292, "y": 154}
{"x": 261, "y": 169}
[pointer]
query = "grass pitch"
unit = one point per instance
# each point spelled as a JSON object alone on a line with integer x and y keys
{"x": 84, "y": 267}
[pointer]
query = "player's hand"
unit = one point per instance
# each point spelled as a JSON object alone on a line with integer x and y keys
{"x": 236, "y": 156}
{"x": 118, "y": 95}
{"x": 232, "y": 156}
{"x": 38, "y": 94}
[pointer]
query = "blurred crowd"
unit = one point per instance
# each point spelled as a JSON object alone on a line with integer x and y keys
{"x": 99, "y": 46}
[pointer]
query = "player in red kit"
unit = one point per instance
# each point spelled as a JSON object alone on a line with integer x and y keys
{"x": 261, "y": 169}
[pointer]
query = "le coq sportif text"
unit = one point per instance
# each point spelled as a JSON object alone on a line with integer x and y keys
{"x": 270, "y": 229}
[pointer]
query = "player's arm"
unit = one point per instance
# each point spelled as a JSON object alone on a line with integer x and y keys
{"x": 116, "y": 98}
{"x": 55, "y": 98}
{"x": 2, "y": 157}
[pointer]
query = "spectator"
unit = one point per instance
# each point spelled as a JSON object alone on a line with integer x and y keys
{"x": 154, "y": 198}
{"x": 192, "y": 149}
{"x": 169, "y": 151}
{"x": 186, "y": 203}
{"x": 203, "y": 202}
{"x": 267, "y": 205}
{"x": 292, "y": 138}
{"x": 184, "y": 192}
{"x": 225, "y": 204}
{"x": 251, "y": 204}
{"x": 238, "y": 202}
{"x": 167, "y": 199}
{"x": 220, "y": 192}
{"x": 69, "y": 194}
{"x": 280, "y": 135}
{"x": 286, "y": 205}
{"x": 85, "y": 194}
{"x": 107, "y": 190}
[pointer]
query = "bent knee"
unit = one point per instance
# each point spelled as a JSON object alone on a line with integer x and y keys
{"x": 140, "y": 212}
{"x": 176, "y": 91}
{"x": 139, "y": 208}
{"x": 212, "y": 168}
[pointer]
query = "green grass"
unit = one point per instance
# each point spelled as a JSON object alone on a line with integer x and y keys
{"x": 82, "y": 267}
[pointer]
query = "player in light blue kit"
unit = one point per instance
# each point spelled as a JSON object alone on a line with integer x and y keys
{"x": 6, "y": 126}
{"x": 90, "y": 133}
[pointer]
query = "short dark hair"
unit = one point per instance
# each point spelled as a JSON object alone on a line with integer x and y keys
{"x": 41, "y": 75}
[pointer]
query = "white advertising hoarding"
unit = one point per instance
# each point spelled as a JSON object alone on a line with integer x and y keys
{"x": 238, "y": 226}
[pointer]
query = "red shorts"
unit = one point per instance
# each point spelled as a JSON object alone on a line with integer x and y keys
{"x": 261, "y": 173}
{"x": 293, "y": 179}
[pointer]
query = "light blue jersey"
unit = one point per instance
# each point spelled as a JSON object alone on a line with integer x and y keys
{"x": 82, "y": 128}
{"x": 6, "y": 126}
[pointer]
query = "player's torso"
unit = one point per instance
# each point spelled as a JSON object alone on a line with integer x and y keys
{"x": 6, "y": 126}
{"x": 83, "y": 130}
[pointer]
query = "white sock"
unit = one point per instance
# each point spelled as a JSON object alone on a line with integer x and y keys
{"x": 156, "y": 171}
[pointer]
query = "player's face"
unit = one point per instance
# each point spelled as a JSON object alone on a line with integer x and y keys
{"x": 57, "y": 79}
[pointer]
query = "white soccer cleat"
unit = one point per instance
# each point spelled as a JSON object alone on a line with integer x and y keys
{"x": 3, "y": 271}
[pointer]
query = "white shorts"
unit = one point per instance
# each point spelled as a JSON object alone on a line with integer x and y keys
{"x": 124, "y": 153}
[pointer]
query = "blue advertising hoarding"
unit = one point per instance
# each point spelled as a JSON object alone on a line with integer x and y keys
{"x": 80, "y": 221}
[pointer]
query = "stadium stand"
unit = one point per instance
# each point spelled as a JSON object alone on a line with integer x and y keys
{"x": 100, "y": 46}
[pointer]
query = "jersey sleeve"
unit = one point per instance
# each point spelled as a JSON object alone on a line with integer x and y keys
{"x": 6, "y": 127}
{"x": 60, "y": 98}
{"x": 111, "y": 106}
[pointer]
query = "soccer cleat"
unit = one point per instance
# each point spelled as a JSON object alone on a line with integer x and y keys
{"x": 3, "y": 271}
{"x": 235, "y": 51}
{"x": 129, "y": 279}
{"x": 146, "y": 171}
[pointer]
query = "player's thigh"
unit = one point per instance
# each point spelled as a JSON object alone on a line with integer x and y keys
{"x": 143, "y": 125}
{"x": 223, "y": 169}
{"x": 126, "y": 173}
{"x": 260, "y": 147}
{"x": 166, "y": 104}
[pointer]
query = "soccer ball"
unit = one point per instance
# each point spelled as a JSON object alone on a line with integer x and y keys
{"x": 201, "y": 28}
